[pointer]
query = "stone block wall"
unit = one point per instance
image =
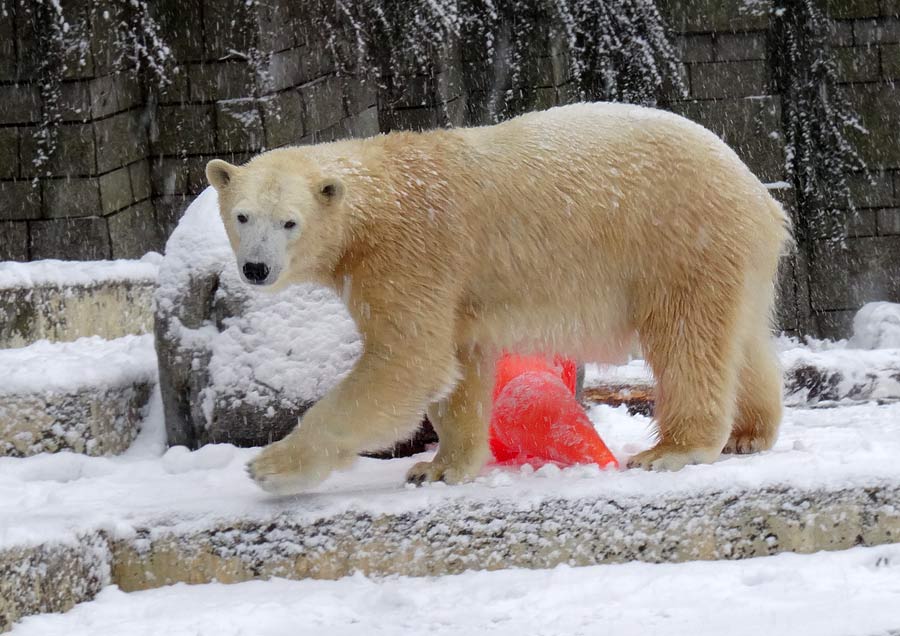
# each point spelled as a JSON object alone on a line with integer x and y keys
{"x": 249, "y": 76}
{"x": 867, "y": 35}
{"x": 93, "y": 193}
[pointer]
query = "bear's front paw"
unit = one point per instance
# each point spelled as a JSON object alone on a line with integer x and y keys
{"x": 670, "y": 457}
{"x": 289, "y": 468}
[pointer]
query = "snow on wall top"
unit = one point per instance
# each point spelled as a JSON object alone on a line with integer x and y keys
{"x": 53, "y": 273}
{"x": 297, "y": 343}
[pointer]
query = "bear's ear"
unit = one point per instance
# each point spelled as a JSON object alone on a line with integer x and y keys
{"x": 219, "y": 173}
{"x": 330, "y": 190}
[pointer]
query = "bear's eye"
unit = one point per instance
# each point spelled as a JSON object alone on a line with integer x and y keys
{"x": 290, "y": 224}
{"x": 242, "y": 218}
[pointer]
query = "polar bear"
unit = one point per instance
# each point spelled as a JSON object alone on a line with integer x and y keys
{"x": 565, "y": 231}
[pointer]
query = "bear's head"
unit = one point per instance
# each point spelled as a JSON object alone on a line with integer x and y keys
{"x": 282, "y": 217}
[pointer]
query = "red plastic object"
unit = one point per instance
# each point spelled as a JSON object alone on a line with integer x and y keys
{"x": 536, "y": 418}
{"x": 511, "y": 366}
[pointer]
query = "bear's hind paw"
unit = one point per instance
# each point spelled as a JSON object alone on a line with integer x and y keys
{"x": 746, "y": 444}
{"x": 438, "y": 471}
{"x": 665, "y": 457}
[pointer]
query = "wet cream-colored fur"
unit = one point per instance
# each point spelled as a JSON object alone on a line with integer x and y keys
{"x": 563, "y": 231}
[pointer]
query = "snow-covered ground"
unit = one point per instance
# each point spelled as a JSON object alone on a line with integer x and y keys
{"x": 850, "y": 593}
{"x": 51, "y": 496}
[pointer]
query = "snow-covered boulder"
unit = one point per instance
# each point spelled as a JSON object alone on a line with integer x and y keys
{"x": 236, "y": 364}
{"x": 877, "y": 326}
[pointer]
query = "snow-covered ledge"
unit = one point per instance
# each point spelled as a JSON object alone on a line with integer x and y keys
{"x": 461, "y": 535}
{"x": 449, "y": 538}
{"x": 67, "y": 300}
{"x": 87, "y": 396}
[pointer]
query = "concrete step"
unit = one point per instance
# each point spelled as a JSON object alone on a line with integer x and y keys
{"x": 464, "y": 535}
{"x": 450, "y": 538}
{"x": 79, "y": 523}
{"x": 88, "y": 396}
{"x": 66, "y": 300}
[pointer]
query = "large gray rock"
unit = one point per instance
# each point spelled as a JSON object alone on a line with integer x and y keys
{"x": 235, "y": 364}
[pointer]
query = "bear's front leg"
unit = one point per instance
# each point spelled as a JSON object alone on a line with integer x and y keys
{"x": 461, "y": 422}
{"x": 379, "y": 402}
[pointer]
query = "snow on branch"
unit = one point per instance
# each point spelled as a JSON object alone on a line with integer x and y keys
{"x": 820, "y": 157}
{"x": 615, "y": 50}
{"x": 64, "y": 41}
{"x": 139, "y": 43}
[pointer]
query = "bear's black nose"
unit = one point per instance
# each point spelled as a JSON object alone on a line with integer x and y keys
{"x": 256, "y": 272}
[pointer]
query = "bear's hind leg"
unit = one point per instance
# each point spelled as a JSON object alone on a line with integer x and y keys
{"x": 759, "y": 404}
{"x": 692, "y": 349}
{"x": 461, "y": 422}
